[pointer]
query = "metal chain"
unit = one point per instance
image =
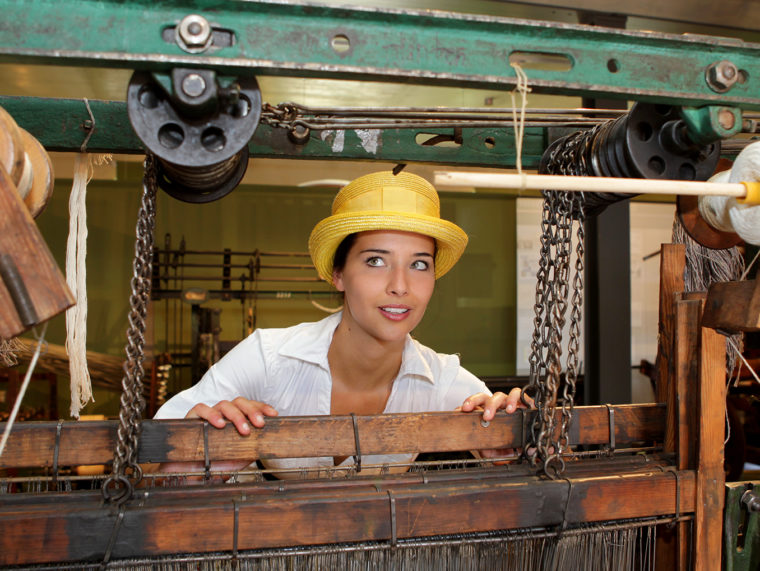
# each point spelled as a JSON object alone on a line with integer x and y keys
{"x": 119, "y": 485}
{"x": 553, "y": 292}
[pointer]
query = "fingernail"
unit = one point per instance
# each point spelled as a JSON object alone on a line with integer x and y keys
{"x": 246, "y": 428}
{"x": 510, "y": 408}
{"x": 259, "y": 418}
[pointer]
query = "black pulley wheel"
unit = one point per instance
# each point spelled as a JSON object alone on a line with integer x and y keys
{"x": 191, "y": 141}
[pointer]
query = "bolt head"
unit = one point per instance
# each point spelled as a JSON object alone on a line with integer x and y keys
{"x": 194, "y": 30}
{"x": 726, "y": 119}
{"x": 193, "y": 85}
{"x": 722, "y": 75}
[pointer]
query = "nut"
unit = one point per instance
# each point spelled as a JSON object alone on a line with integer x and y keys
{"x": 194, "y": 33}
{"x": 721, "y": 75}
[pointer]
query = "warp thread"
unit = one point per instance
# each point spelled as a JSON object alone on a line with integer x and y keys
{"x": 8, "y": 350}
{"x": 724, "y": 212}
{"x": 76, "y": 278}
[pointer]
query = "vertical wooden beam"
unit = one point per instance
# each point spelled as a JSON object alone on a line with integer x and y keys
{"x": 710, "y": 476}
{"x": 672, "y": 266}
{"x": 684, "y": 398}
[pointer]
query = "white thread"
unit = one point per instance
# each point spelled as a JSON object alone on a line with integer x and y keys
{"x": 714, "y": 209}
{"x": 76, "y": 278}
{"x": 325, "y": 308}
{"x": 26, "y": 181}
{"x": 523, "y": 89}
{"x": 24, "y": 385}
{"x": 727, "y": 214}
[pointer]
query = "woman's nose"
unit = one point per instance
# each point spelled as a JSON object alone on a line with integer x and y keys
{"x": 397, "y": 281}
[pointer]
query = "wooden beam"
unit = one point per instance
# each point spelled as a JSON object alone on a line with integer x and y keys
{"x": 33, "y": 444}
{"x": 710, "y": 475}
{"x": 685, "y": 399}
{"x": 76, "y": 526}
{"x": 32, "y": 288}
{"x": 733, "y": 306}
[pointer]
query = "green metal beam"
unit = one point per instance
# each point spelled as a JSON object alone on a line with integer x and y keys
{"x": 388, "y": 45}
{"x": 62, "y": 125}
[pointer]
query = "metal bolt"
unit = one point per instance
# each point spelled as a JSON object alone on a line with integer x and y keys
{"x": 194, "y": 32}
{"x": 721, "y": 75}
{"x": 193, "y": 85}
{"x": 751, "y": 500}
{"x": 726, "y": 119}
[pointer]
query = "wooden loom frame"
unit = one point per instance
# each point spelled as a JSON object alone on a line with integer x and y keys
{"x": 685, "y": 483}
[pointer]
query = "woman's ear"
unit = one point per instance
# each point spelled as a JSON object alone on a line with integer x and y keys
{"x": 337, "y": 280}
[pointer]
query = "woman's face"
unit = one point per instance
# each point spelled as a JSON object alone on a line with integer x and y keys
{"x": 387, "y": 280}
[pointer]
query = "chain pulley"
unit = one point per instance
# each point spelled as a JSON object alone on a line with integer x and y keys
{"x": 198, "y": 125}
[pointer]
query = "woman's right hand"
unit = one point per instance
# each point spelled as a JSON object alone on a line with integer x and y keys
{"x": 238, "y": 411}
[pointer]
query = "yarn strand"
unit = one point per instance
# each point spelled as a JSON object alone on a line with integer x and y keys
{"x": 76, "y": 278}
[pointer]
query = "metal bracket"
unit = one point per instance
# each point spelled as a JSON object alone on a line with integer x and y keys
{"x": 611, "y": 412}
{"x": 358, "y": 455}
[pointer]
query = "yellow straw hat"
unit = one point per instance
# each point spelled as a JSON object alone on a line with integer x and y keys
{"x": 384, "y": 201}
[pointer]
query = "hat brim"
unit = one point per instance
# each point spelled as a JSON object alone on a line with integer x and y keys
{"x": 327, "y": 235}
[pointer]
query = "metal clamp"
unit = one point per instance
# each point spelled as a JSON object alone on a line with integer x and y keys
{"x": 358, "y": 455}
{"x": 611, "y": 412}
{"x": 56, "y": 451}
{"x": 206, "y": 461}
{"x": 392, "y": 501}
{"x": 114, "y": 534}
{"x": 235, "y": 528}
{"x": 563, "y": 526}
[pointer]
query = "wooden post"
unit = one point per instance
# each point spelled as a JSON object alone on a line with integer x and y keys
{"x": 708, "y": 533}
{"x": 684, "y": 397}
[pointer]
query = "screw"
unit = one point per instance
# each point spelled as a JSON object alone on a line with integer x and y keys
{"x": 721, "y": 75}
{"x": 193, "y": 85}
{"x": 194, "y": 32}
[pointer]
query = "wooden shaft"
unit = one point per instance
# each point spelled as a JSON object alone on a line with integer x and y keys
{"x": 32, "y": 444}
{"x": 590, "y": 184}
{"x": 74, "y": 526}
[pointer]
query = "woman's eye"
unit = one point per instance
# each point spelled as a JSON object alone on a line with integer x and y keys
{"x": 420, "y": 265}
{"x": 375, "y": 261}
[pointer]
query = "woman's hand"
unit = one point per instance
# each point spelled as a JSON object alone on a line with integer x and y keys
{"x": 239, "y": 411}
{"x": 489, "y": 404}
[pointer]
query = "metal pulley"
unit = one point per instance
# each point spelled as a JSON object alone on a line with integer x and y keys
{"x": 198, "y": 126}
{"x": 651, "y": 141}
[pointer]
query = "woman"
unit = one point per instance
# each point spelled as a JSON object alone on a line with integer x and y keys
{"x": 383, "y": 247}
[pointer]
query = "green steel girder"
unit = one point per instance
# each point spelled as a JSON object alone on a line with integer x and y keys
{"x": 61, "y": 125}
{"x": 388, "y": 45}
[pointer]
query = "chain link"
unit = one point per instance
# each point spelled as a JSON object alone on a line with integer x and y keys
{"x": 554, "y": 290}
{"x": 119, "y": 485}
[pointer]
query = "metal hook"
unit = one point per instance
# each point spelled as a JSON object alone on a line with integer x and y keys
{"x": 206, "y": 461}
{"x": 611, "y": 412}
{"x": 358, "y": 456}
{"x": 88, "y": 126}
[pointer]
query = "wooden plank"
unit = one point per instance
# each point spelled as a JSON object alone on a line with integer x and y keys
{"x": 159, "y": 523}
{"x": 688, "y": 313}
{"x": 710, "y": 475}
{"x": 733, "y": 306}
{"x": 32, "y": 444}
{"x": 672, "y": 267}
{"x": 36, "y": 289}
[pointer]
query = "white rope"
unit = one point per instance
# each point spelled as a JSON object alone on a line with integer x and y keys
{"x": 76, "y": 278}
{"x": 519, "y": 126}
{"x": 24, "y": 386}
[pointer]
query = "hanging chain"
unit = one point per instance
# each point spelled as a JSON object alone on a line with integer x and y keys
{"x": 119, "y": 485}
{"x": 553, "y": 292}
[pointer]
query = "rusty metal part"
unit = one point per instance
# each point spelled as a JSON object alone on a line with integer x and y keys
{"x": 687, "y": 208}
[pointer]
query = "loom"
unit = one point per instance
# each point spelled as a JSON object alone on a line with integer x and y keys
{"x": 631, "y": 486}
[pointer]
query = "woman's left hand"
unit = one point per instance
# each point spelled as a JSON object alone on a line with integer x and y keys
{"x": 489, "y": 404}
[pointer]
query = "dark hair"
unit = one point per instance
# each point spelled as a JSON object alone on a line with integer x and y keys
{"x": 341, "y": 252}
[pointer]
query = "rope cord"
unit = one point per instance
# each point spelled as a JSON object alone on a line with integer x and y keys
{"x": 76, "y": 279}
{"x": 523, "y": 89}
